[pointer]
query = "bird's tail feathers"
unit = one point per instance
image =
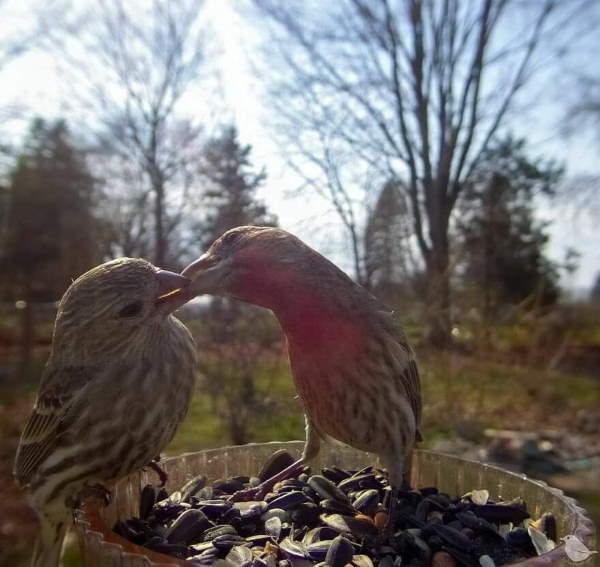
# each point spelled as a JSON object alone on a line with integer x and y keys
{"x": 48, "y": 545}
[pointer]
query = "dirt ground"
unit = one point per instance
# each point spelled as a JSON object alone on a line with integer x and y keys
{"x": 17, "y": 522}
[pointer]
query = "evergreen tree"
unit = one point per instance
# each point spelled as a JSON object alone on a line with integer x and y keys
{"x": 595, "y": 293}
{"x": 503, "y": 243}
{"x": 238, "y": 341}
{"x": 231, "y": 196}
{"x": 386, "y": 238}
{"x": 48, "y": 225}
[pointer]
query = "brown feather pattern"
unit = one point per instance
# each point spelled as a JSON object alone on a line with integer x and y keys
{"x": 113, "y": 392}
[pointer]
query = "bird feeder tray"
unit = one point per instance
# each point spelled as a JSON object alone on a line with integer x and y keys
{"x": 101, "y": 547}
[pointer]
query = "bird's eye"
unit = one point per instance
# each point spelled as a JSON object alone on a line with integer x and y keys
{"x": 131, "y": 310}
{"x": 230, "y": 237}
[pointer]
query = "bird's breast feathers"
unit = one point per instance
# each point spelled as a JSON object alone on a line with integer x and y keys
{"x": 360, "y": 397}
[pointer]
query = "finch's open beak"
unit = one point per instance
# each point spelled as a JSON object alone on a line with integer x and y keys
{"x": 170, "y": 286}
{"x": 207, "y": 274}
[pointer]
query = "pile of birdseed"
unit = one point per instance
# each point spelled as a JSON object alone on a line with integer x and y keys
{"x": 335, "y": 518}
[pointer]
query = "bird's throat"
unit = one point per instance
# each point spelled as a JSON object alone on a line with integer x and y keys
{"x": 320, "y": 328}
{"x": 312, "y": 318}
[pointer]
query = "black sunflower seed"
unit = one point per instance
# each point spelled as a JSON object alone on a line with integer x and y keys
{"x": 288, "y": 500}
{"x": 225, "y": 542}
{"x": 192, "y": 487}
{"x": 337, "y": 507}
{"x": 147, "y": 500}
{"x": 217, "y": 531}
{"x": 367, "y": 501}
{"x": 276, "y": 463}
{"x": 501, "y": 513}
{"x": 306, "y": 514}
{"x": 335, "y": 474}
{"x": 331, "y": 519}
{"x": 326, "y": 489}
{"x": 340, "y": 552}
{"x": 189, "y": 527}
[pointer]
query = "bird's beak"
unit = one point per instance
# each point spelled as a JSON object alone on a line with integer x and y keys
{"x": 170, "y": 285}
{"x": 207, "y": 274}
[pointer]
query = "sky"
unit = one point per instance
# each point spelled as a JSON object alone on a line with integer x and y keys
{"x": 33, "y": 84}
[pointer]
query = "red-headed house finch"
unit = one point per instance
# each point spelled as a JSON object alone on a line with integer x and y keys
{"x": 351, "y": 362}
{"x": 115, "y": 388}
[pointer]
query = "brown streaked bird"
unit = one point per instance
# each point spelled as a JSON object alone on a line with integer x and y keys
{"x": 116, "y": 386}
{"x": 351, "y": 363}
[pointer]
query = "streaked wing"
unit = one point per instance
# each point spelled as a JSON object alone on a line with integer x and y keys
{"x": 413, "y": 391}
{"x": 409, "y": 372}
{"x": 58, "y": 388}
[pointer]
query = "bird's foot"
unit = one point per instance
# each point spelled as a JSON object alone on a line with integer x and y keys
{"x": 98, "y": 491}
{"x": 162, "y": 475}
{"x": 250, "y": 494}
{"x": 260, "y": 491}
{"x": 389, "y": 515}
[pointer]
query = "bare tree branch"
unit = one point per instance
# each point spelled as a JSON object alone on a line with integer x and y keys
{"x": 133, "y": 70}
{"x": 419, "y": 87}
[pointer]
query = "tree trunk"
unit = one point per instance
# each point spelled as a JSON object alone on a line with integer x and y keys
{"x": 238, "y": 432}
{"x": 438, "y": 292}
{"x": 160, "y": 245}
{"x": 26, "y": 340}
{"x": 358, "y": 271}
{"x": 238, "y": 424}
{"x": 488, "y": 250}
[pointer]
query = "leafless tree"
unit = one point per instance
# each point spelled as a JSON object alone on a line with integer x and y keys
{"x": 581, "y": 193}
{"x": 136, "y": 66}
{"x": 9, "y": 47}
{"x": 416, "y": 89}
{"x": 389, "y": 262}
{"x": 23, "y": 29}
{"x": 18, "y": 39}
{"x": 125, "y": 204}
{"x": 331, "y": 172}
{"x": 579, "y": 199}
